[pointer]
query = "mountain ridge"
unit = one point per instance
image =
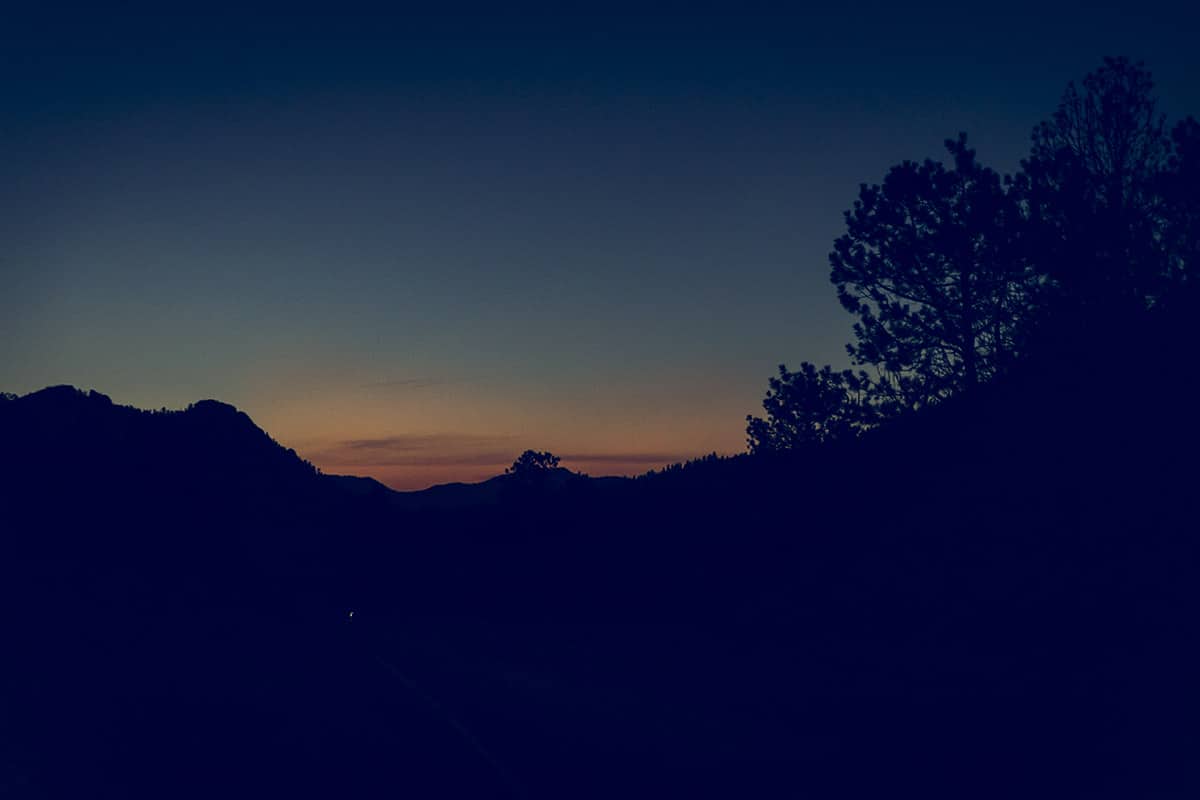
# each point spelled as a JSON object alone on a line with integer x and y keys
{"x": 1002, "y": 586}
{"x": 223, "y": 423}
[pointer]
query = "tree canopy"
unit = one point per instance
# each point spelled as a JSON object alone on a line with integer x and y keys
{"x": 811, "y": 405}
{"x": 1092, "y": 189}
{"x": 954, "y": 273}
{"x": 532, "y": 463}
{"x": 930, "y": 266}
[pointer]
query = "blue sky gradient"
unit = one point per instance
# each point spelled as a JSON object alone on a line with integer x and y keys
{"x": 411, "y": 246}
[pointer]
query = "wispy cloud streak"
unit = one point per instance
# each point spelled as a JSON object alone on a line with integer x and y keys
{"x": 443, "y": 449}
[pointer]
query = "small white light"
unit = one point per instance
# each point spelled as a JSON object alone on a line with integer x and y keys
{"x": 352, "y": 613}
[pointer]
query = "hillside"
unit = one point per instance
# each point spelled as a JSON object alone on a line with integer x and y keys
{"x": 996, "y": 597}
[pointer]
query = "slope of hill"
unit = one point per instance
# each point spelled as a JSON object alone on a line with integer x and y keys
{"x": 996, "y": 597}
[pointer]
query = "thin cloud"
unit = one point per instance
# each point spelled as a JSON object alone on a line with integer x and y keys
{"x": 419, "y": 441}
{"x": 420, "y": 450}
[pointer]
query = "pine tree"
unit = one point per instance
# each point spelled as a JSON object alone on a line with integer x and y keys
{"x": 930, "y": 265}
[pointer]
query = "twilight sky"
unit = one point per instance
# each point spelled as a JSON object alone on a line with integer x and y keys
{"x": 411, "y": 244}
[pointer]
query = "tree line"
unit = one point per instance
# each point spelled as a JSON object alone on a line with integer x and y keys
{"x": 956, "y": 273}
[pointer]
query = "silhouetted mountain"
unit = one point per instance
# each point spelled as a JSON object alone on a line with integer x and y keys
{"x": 208, "y": 446}
{"x": 993, "y": 597}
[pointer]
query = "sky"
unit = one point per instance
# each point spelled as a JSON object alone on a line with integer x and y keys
{"x": 413, "y": 243}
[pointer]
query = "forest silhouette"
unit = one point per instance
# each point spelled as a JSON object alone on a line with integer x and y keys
{"x": 957, "y": 275}
{"x": 965, "y": 568}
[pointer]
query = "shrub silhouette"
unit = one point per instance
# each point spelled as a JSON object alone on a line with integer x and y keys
{"x": 811, "y": 405}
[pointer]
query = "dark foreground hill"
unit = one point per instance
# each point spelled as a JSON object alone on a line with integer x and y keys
{"x": 997, "y": 598}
